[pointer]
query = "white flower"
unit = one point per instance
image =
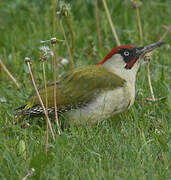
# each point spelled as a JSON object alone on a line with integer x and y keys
{"x": 3, "y": 100}
{"x": 47, "y": 51}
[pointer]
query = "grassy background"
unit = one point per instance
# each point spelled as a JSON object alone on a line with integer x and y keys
{"x": 133, "y": 145}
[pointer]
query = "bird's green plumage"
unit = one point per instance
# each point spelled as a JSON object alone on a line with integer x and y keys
{"x": 78, "y": 86}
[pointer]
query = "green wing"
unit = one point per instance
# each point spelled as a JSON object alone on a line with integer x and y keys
{"x": 79, "y": 86}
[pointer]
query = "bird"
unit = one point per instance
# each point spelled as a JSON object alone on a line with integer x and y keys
{"x": 93, "y": 93}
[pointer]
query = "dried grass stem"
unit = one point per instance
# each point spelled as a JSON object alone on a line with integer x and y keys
{"x": 39, "y": 97}
{"x": 9, "y": 74}
{"x": 111, "y": 23}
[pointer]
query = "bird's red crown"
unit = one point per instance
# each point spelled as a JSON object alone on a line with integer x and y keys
{"x": 114, "y": 51}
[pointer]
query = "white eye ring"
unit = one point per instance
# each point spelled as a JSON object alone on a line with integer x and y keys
{"x": 126, "y": 53}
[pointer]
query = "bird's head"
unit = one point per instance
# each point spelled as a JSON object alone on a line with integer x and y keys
{"x": 127, "y": 57}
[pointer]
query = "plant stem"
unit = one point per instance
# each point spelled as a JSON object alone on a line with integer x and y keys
{"x": 98, "y": 25}
{"x": 53, "y": 42}
{"x": 164, "y": 35}
{"x": 54, "y": 3}
{"x": 27, "y": 60}
{"x": 139, "y": 25}
{"x": 111, "y": 23}
{"x": 46, "y": 97}
{"x": 72, "y": 37}
{"x": 9, "y": 74}
{"x": 67, "y": 45}
{"x": 29, "y": 173}
{"x": 149, "y": 80}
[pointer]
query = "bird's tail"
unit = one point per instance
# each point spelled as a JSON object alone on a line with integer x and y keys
{"x": 23, "y": 110}
{"x": 28, "y": 110}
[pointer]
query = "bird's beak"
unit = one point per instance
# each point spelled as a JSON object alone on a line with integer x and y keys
{"x": 143, "y": 50}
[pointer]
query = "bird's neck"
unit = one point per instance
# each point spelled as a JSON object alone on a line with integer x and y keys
{"x": 117, "y": 66}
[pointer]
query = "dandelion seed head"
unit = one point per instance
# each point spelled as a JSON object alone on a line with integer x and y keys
{"x": 47, "y": 52}
{"x": 63, "y": 62}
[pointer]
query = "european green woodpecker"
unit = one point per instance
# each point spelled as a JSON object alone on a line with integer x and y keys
{"x": 95, "y": 92}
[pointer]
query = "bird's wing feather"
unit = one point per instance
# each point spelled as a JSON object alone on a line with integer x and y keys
{"x": 79, "y": 86}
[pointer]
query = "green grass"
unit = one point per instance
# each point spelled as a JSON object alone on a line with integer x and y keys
{"x": 133, "y": 145}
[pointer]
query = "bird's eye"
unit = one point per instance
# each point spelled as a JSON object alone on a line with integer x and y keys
{"x": 126, "y": 53}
